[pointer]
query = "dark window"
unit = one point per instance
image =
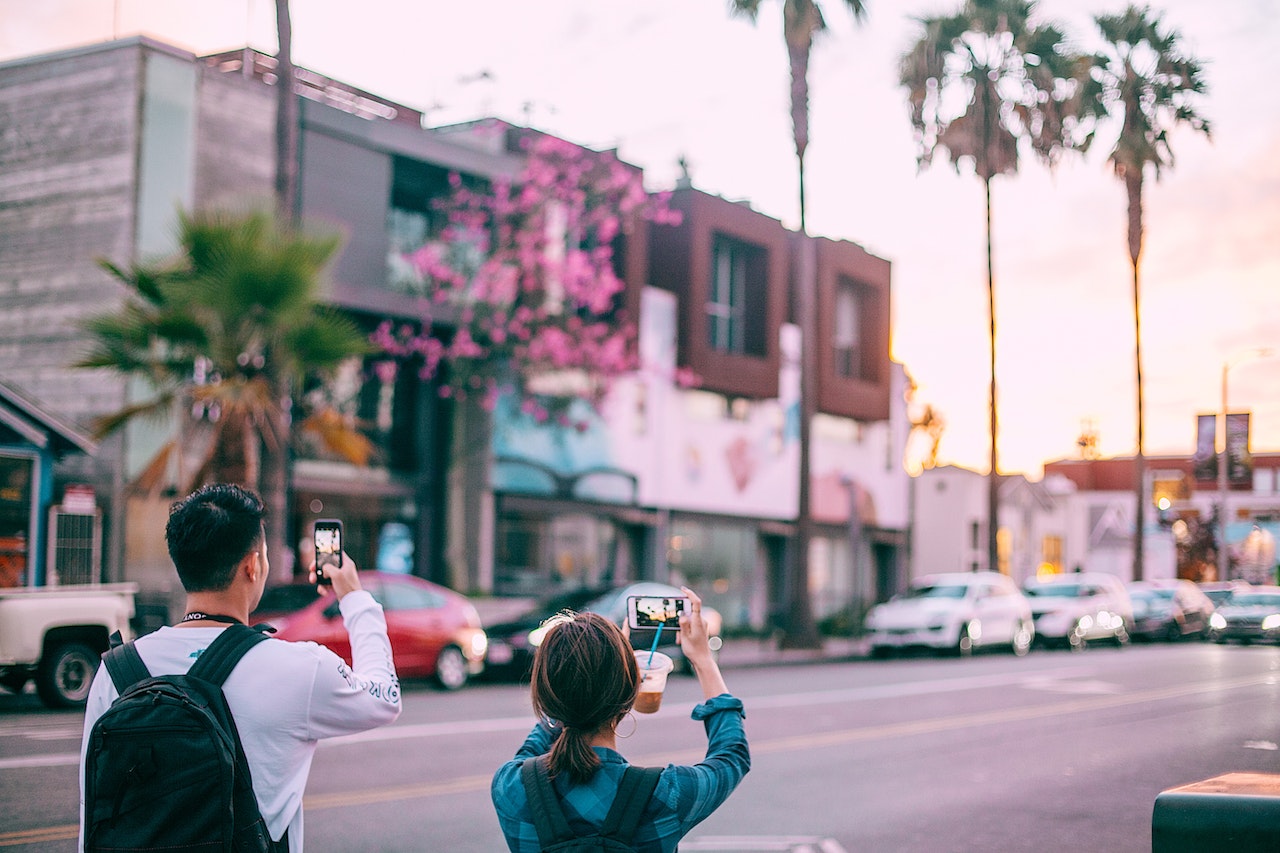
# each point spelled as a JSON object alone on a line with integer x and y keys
{"x": 736, "y": 299}
{"x": 849, "y": 338}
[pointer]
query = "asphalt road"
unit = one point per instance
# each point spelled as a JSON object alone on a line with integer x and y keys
{"x": 1051, "y": 752}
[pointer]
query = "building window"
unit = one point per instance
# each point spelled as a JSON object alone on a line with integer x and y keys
{"x": 736, "y": 298}
{"x": 1051, "y": 555}
{"x": 849, "y": 338}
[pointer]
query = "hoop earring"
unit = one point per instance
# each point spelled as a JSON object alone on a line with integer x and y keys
{"x": 633, "y": 726}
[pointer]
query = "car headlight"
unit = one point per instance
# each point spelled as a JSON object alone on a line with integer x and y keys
{"x": 1217, "y": 621}
{"x": 1271, "y": 623}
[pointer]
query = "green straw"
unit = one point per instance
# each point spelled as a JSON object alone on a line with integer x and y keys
{"x": 656, "y": 637}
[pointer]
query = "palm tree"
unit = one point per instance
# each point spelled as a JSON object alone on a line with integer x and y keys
{"x": 1014, "y": 78}
{"x": 1142, "y": 79}
{"x": 225, "y": 329}
{"x": 801, "y": 21}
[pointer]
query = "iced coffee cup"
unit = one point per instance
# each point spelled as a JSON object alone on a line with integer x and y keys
{"x": 654, "y": 667}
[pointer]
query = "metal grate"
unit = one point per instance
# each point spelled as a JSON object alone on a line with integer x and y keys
{"x": 75, "y": 552}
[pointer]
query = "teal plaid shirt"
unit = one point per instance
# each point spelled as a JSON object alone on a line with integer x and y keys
{"x": 685, "y": 796}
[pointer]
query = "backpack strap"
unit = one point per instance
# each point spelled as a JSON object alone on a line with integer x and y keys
{"x": 634, "y": 792}
{"x": 548, "y": 817}
{"x": 125, "y": 666}
{"x": 216, "y": 662}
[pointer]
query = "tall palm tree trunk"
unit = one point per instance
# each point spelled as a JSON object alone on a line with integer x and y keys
{"x": 993, "y": 478}
{"x": 1133, "y": 187}
{"x": 276, "y": 462}
{"x": 801, "y": 631}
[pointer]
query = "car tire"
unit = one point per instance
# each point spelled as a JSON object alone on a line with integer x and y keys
{"x": 65, "y": 675}
{"x": 451, "y": 669}
{"x": 1121, "y": 638}
{"x": 881, "y": 652}
{"x": 1022, "y": 639}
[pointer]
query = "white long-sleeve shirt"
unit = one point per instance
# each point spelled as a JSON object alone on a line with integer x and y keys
{"x": 285, "y": 697}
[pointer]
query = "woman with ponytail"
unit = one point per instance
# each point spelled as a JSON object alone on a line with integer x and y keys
{"x": 584, "y": 682}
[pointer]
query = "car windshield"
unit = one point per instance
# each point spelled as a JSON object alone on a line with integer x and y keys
{"x": 938, "y": 591}
{"x": 1151, "y": 594}
{"x": 1057, "y": 590}
{"x": 287, "y": 599}
{"x": 1256, "y": 599}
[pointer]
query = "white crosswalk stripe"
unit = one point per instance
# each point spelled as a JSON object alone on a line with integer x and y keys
{"x": 753, "y": 843}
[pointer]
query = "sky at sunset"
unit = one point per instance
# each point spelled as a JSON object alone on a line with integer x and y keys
{"x": 666, "y": 78}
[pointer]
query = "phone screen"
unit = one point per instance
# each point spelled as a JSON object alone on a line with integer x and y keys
{"x": 328, "y": 543}
{"x": 654, "y": 611}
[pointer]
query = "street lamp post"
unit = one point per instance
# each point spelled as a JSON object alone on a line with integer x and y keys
{"x": 1224, "y": 561}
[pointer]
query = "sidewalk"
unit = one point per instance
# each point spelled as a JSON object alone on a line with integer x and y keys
{"x": 751, "y": 651}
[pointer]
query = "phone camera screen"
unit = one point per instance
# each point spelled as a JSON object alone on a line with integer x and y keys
{"x": 658, "y": 612}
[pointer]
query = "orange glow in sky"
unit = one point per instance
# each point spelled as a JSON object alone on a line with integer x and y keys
{"x": 669, "y": 78}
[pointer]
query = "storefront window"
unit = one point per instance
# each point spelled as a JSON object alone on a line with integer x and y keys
{"x": 830, "y": 576}
{"x": 15, "y": 518}
{"x": 545, "y": 554}
{"x": 721, "y": 562}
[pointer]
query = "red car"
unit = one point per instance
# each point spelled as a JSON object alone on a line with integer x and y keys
{"x": 435, "y": 632}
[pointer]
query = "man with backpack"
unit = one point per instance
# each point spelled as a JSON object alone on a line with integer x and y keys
{"x": 204, "y": 738}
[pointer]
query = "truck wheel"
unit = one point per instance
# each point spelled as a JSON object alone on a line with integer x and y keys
{"x": 65, "y": 674}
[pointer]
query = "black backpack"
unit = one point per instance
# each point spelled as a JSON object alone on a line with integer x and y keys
{"x": 554, "y": 833}
{"x": 165, "y": 769}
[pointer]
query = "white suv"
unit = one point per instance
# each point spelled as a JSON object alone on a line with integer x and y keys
{"x": 958, "y": 613}
{"x": 1074, "y": 609}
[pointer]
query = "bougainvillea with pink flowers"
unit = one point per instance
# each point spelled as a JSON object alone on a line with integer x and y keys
{"x": 520, "y": 292}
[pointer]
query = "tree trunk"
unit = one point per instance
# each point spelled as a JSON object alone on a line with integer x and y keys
{"x": 801, "y": 632}
{"x": 993, "y": 478}
{"x": 286, "y": 185}
{"x": 1133, "y": 187}
{"x": 275, "y": 495}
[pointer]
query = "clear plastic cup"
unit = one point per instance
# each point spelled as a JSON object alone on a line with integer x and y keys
{"x": 654, "y": 668}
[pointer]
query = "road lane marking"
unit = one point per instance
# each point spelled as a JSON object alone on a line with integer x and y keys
{"x": 65, "y": 832}
{"x": 841, "y": 696}
{"x": 471, "y": 784}
{"x": 744, "y": 843}
{"x": 52, "y": 760}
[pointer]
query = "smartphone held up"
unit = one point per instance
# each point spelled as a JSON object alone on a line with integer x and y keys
{"x": 655, "y": 611}
{"x": 328, "y": 545}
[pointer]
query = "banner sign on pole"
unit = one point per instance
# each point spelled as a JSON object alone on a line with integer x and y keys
{"x": 1205, "y": 461}
{"x": 1239, "y": 462}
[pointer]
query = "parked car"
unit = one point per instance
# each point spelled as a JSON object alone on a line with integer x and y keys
{"x": 1248, "y": 616}
{"x": 1072, "y": 610}
{"x": 958, "y": 613}
{"x": 512, "y": 643}
{"x": 1169, "y": 610}
{"x": 1220, "y": 591}
{"x": 434, "y": 631}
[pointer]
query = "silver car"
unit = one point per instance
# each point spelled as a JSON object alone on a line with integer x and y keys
{"x": 1074, "y": 609}
{"x": 958, "y": 613}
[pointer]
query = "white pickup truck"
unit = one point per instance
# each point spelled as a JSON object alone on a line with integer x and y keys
{"x": 57, "y": 634}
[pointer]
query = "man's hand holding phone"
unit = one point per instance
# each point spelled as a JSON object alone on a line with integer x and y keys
{"x": 332, "y": 566}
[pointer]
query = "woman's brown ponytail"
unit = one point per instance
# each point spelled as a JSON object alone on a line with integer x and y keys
{"x": 584, "y": 679}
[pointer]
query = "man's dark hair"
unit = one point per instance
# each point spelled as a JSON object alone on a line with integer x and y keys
{"x": 210, "y": 531}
